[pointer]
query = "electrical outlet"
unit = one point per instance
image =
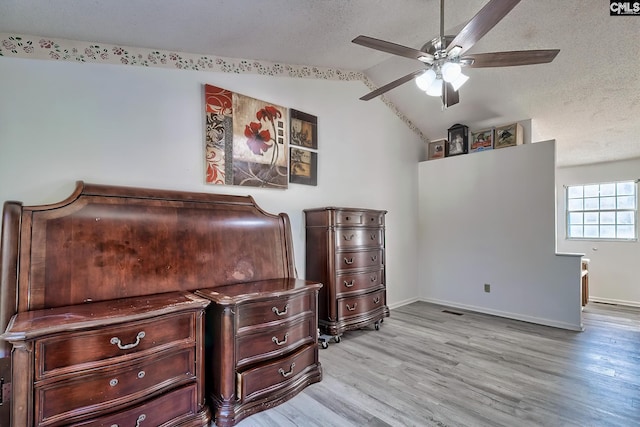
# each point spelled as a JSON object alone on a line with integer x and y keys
{"x": 487, "y": 287}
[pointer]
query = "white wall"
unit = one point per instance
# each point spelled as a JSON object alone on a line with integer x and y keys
{"x": 135, "y": 126}
{"x": 489, "y": 217}
{"x": 613, "y": 267}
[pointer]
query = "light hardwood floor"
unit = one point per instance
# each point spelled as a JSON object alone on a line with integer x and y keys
{"x": 426, "y": 367}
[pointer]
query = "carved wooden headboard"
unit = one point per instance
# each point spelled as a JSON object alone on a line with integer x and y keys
{"x": 107, "y": 242}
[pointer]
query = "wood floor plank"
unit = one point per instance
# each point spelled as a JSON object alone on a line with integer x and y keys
{"x": 427, "y": 367}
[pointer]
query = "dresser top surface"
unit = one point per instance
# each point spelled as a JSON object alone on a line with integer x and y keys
{"x": 35, "y": 323}
{"x": 347, "y": 209}
{"x": 262, "y": 289}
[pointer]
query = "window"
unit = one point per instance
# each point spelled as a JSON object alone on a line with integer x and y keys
{"x": 607, "y": 211}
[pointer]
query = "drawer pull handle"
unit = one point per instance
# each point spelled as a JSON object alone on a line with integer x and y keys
{"x": 280, "y": 313}
{"x": 278, "y": 342}
{"x": 347, "y": 218}
{"x": 374, "y": 258}
{"x": 141, "y": 374}
{"x": 374, "y": 278}
{"x": 348, "y": 261}
{"x": 113, "y": 382}
{"x": 376, "y": 300}
{"x": 373, "y": 237}
{"x": 140, "y": 419}
{"x": 116, "y": 341}
{"x": 286, "y": 374}
{"x": 352, "y": 308}
{"x": 349, "y": 284}
{"x": 347, "y": 238}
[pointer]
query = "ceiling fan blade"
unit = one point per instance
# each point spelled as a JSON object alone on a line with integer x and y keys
{"x": 480, "y": 24}
{"x": 393, "y": 48}
{"x": 391, "y": 85}
{"x": 512, "y": 58}
{"x": 450, "y": 96}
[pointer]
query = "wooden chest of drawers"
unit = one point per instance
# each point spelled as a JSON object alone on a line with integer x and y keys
{"x": 111, "y": 363}
{"x": 345, "y": 251}
{"x": 266, "y": 348}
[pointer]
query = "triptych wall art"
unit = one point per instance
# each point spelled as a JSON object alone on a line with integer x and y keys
{"x": 247, "y": 142}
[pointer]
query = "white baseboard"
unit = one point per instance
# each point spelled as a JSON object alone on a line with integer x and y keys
{"x": 401, "y": 303}
{"x": 614, "y": 301}
{"x": 508, "y": 315}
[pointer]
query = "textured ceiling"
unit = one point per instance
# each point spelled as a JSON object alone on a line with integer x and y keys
{"x": 588, "y": 98}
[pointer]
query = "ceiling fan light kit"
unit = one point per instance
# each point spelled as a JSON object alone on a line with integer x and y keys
{"x": 459, "y": 81}
{"x": 442, "y": 56}
{"x": 424, "y": 80}
{"x": 450, "y": 71}
{"x": 435, "y": 89}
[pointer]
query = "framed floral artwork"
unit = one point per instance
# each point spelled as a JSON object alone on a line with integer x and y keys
{"x": 304, "y": 129}
{"x": 303, "y": 166}
{"x": 246, "y": 140}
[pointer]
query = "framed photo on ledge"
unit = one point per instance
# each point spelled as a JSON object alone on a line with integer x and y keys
{"x": 458, "y": 140}
{"x": 481, "y": 140}
{"x": 508, "y": 136}
{"x": 436, "y": 149}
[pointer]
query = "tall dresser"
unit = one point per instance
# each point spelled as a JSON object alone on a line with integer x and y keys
{"x": 345, "y": 250}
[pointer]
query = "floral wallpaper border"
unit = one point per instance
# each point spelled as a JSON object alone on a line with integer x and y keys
{"x": 35, "y": 47}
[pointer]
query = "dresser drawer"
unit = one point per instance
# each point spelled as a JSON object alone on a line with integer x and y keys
{"x": 353, "y": 237}
{"x": 109, "y": 387}
{"x": 361, "y": 259}
{"x": 164, "y": 411}
{"x": 69, "y": 352}
{"x": 271, "y": 376}
{"x": 276, "y": 342}
{"x": 355, "y": 306}
{"x": 352, "y": 282}
{"x": 363, "y": 218}
{"x": 273, "y": 310}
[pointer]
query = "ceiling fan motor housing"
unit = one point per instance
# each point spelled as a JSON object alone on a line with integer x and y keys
{"x": 438, "y": 46}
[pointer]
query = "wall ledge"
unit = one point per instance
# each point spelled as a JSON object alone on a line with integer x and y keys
{"x": 570, "y": 254}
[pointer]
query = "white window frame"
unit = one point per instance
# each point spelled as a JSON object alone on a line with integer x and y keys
{"x": 577, "y": 211}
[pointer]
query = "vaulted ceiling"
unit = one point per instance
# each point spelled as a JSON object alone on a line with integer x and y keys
{"x": 588, "y": 98}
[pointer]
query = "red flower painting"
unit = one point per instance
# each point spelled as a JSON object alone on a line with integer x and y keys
{"x": 256, "y": 138}
{"x": 268, "y": 113}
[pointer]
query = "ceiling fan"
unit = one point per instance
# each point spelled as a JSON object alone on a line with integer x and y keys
{"x": 444, "y": 56}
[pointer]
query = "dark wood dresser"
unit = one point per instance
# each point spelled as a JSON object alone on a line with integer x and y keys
{"x": 127, "y": 306}
{"x": 267, "y": 346}
{"x": 345, "y": 250}
{"x": 87, "y": 360}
